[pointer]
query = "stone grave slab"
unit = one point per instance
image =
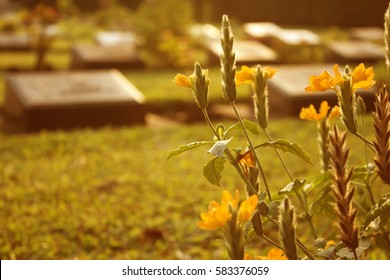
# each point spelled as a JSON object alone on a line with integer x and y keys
{"x": 205, "y": 32}
{"x": 15, "y": 42}
{"x": 247, "y": 52}
{"x": 261, "y": 31}
{"x": 355, "y": 51}
{"x": 287, "y": 90}
{"x": 374, "y": 34}
{"x": 297, "y": 37}
{"x": 114, "y": 38}
{"x": 104, "y": 57}
{"x": 54, "y": 100}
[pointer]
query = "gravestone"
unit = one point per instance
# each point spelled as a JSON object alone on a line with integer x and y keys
{"x": 262, "y": 31}
{"x": 54, "y": 100}
{"x": 205, "y": 32}
{"x": 296, "y": 37}
{"x": 355, "y": 51}
{"x": 247, "y": 52}
{"x": 287, "y": 90}
{"x": 114, "y": 38}
{"x": 374, "y": 34}
{"x": 14, "y": 42}
{"x": 104, "y": 57}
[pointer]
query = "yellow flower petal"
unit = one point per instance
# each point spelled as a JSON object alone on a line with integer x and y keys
{"x": 247, "y": 208}
{"x": 276, "y": 254}
{"x": 216, "y": 217}
{"x": 362, "y": 77}
{"x": 310, "y": 113}
{"x": 325, "y": 80}
{"x": 245, "y": 75}
{"x": 269, "y": 72}
{"x": 183, "y": 81}
{"x": 334, "y": 113}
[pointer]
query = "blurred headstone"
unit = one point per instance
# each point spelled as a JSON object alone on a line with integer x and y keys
{"x": 297, "y": 37}
{"x": 374, "y": 34}
{"x": 287, "y": 90}
{"x": 55, "y": 100}
{"x": 247, "y": 52}
{"x": 355, "y": 51}
{"x": 262, "y": 31}
{"x": 103, "y": 57}
{"x": 114, "y": 38}
{"x": 14, "y": 41}
{"x": 205, "y": 32}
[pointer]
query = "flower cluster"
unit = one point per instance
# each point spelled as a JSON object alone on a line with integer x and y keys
{"x": 247, "y": 75}
{"x": 219, "y": 214}
{"x": 361, "y": 78}
{"x": 310, "y": 113}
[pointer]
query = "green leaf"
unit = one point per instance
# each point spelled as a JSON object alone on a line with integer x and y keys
{"x": 363, "y": 171}
{"x": 323, "y": 178}
{"x": 293, "y": 186}
{"x": 212, "y": 170}
{"x": 382, "y": 209}
{"x": 219, "y": 147}
{"x": 320, "y": 243}
{"x": 250, "y": 126}
{"x": 187, "y": 147}
{"x": 347, "y": 253}
{"x": 286, "y": 146}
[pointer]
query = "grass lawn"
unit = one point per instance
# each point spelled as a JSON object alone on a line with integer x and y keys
{"x": 110, "y": 194}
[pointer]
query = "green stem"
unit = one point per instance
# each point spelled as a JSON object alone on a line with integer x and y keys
{"x": 279, "y": 155}
{"x": 307, "y": 214}
{"x": 228, "y": 152}
{"x": 252, "y": 148}
{"x": 271, "y": 242}
{"x": 367, "y": 142}
{"x": 364, "y": 135}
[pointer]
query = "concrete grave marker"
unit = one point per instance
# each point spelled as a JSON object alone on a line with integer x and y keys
{"x": 111, "y": 56}
{"x": 297, "y": 37}
{"x": 261, "y": 31}
{"x": 71, "y": 99}
{"x": 287, "y": 90}
{"x": 113, "y": 38}
{"x": 355, "y": 51}
{"x": 247, "y": 52}
{"x": 374, "y": 34}
{"x": 11, "y": 41}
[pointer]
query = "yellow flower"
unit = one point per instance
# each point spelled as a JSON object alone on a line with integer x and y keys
{"x": 330, "y": 243}
{"x": 269, "y": 72}
{"x": 247, "y": 160}
{"x": 310, "y": 113}
{"x": 334, "y": 113}
{"x": 276, "y": 254}
{"x": 273, "y": 254}
{"x": 183, "y": 81}
{"x": 362, "y": 77}
{"x": 247, "y": 208}
{"x": 216, "y": 217}
{"x": 325, "y": 81}
{"x": 219, "y": 214}
{"x": 245, "y": 75}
